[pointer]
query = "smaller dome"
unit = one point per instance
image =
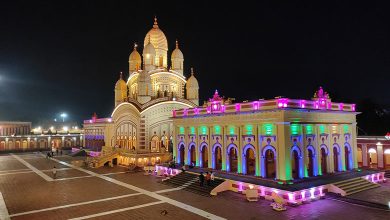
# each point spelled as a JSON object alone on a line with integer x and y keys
{"x": 120, "y": 83}
{"x": 135, "y": 56}
{"x": 192, "y": 82}
{"x": 149, "y": 49}
{"x": 177, "y": 54}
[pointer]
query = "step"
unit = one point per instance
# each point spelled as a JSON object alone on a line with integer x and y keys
{"x": 356, "y": 186}
{"x": 341, "y": 183}
{"x": 346, "y": 185}
{"x": 359, "y": 187}
{"x": 359, "y": 190}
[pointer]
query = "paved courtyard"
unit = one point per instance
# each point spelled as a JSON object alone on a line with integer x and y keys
{"x": 28, "y": 191}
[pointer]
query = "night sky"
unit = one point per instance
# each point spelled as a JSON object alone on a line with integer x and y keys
{"x": 66, "y": 56}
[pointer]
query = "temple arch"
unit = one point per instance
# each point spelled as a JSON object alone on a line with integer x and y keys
{"x": 232, "y": 158}
{"x": 269, "y": 162}
{"x": 203, "y": 155}
{"x": 249, "y": 160}
{"x": 180, "y": 153}
{"x": 312, "y": 169}
{"x": 217, "y": 156}
{"x": 296, "y": 162}
{"x": 348, "y": 156}
{"x": 337, "y": 162}
{"x": 191, "y": 158}
{"x": 324, "y": 159}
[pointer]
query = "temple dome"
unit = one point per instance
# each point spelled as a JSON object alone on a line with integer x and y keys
{"x": 149, "y": 49}
{"x": 134, "y": 55}
{"x": 192, "y": 82}
{"x": 177, "y": 54}
{"x": 156, "y": 37}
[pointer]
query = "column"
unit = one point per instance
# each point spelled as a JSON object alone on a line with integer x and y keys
{"x": 354, "y": 146}
{"x": 379, "y": 153}
{"x": 364, "y": 154}
{"x": 223, "y": 148}
{"x": 283, "y": 171}
{"x": 239, "y": 153}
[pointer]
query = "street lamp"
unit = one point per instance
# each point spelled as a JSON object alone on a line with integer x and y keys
{"x": 63, "y": 116}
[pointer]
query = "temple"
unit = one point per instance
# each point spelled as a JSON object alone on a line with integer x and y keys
{"x": 140, "y": 128}
{"x": 281, "y": 139}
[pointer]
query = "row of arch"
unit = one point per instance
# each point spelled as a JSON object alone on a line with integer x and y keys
{"x": 31, "y": 144}
{"x": 266, "y": 164}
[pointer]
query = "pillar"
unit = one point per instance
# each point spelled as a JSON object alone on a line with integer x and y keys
{"x": 239, "y": 153}
{"x": 283, "y": 155}
{"x": 223, "y": 148}
{"x": 379, "y": 153}
{"x": 365, "y": 154}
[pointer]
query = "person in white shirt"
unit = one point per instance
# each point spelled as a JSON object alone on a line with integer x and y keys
{"x": 54, "y": 172}
{"x": 212, "y": 176}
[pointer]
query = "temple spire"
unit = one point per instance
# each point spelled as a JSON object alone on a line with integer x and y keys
{"x": 135, "y": 46}
{"x": 121, "y": 75}
{"x": 155, "y": 24}
{"x": 177, "y": 44}
{"x": 192, "y": 71}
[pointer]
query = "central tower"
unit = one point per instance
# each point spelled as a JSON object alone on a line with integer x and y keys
{"x": 157, "y": 38}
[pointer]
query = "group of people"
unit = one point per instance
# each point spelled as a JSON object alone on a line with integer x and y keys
{"x": 208, "y": 177}
{"x": 51, "y": 153}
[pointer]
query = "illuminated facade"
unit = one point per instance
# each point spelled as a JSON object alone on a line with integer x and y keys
{"x": 374, "y": 151}
{"x": 140, "y": 123}
{"x": 281, "y": 139}
{"x": 18, "y": 136}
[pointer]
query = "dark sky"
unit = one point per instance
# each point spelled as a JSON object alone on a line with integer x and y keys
{"x": 60, "y": 56}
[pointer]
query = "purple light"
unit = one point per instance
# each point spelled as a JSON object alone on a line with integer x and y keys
{"x": 282, "y": 102}
{"x": 255, "y": 105}
{"x": 185, "y": 112}
{"x": 238, "y": 107}
{"x": 208, "y": 109}
{"x": 302, "y": 103}
{"x": 291, "y": 196}
{"x": 196, "y": 111}
{"x": 174, "y": 113}
{"x": 316, "y": 105}
{"x": 341, "y": 106}
{"x": 353, "y": 107}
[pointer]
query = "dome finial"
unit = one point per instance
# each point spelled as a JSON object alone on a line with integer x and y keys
{"x": 155, "y": 24}
{"x": 192, "y": 71}
{"x": 121, "y": 75}
{"x": 135, "y": 46}
{"x": 177, "y": 44}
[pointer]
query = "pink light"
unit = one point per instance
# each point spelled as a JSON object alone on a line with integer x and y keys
{"x": 185, "y": 112}
{"x": 341, "y": 106}
{"x": 291, "y": 196}
{"x": 240, "y": 187}
{"x": 302, "y": 103}
{"x": 353, "y": 107}
{"x": 215, "y": 106}
{"x": 208, "y": 109}
{"x": 255, "y": 105}
{"x": 316, "y": 105}
{"x": 262, "y": 191}
{"x": 90, "y": 121}
{"x": 321, "y": 191}
{"x": 303, "y": 195}
{"x": 174, "y": 113}
{"x": 250, "y": 186}
{"x": 238, "y": 107}
{"x": 196, "y": 111}
{"x": 282, "y": 102}
{"x": 312, "y": 190}
{"x": 223, "y": 108}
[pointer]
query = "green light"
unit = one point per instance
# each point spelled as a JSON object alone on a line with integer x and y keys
{"x": 268, "y": 129}
{"x": 181, "y": 130}
{"x": 249, "y": 129}
{"x": 294, "y": 129}
{"x": 322, "y": 129}
{"x": 309, "y": 129}
{"x": 192, "y": 130}
{"x": 217, "y": 129}
{"x": 281, "y": 183}
{"x": 231, "y": 130}
{"x": 203, "y": 129}
{"x": 346, "y": 129}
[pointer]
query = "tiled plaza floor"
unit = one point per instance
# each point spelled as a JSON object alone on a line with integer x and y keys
{"x": 109, "y": 193}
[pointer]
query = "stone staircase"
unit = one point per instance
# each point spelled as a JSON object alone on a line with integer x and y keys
{"x": 354, "y": 185}
{"x": 101, "y": 160}
{"x": 191, "y": 183}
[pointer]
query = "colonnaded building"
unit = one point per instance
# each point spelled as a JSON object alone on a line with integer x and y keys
{"x": 140, "y": 129}
{"x": 281, "y": 138}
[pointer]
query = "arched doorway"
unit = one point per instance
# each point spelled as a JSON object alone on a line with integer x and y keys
{"x": 232, "y": 159}
{"x": 373, "y": 158}
{"x": 192, "y": 155}
{"x": 310, "y": 166}
{"x": 248, "y": 160}
{"x": 204, "y": 156}
{"x": 217, "y": 160}
{"x": 269, "y": 164}
{"x": 324, "y": 166}
{"x": 348, "y": 157}
{"x": 181, "y": 154}
{"x": 336, "y": 159}
{"x": 295, "y": 163}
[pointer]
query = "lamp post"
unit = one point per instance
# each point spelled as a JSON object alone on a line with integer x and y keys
{"x": 63, "y": 116}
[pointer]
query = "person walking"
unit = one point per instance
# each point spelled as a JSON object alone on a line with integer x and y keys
{"x": 208, "y": 178}
{"x": 212, "y": 176}
{"x": 54, "y": 172}
{"x": 201, "y": 179}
